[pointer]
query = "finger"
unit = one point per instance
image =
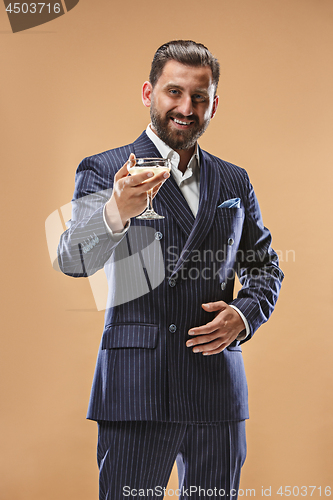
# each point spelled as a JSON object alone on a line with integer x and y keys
{"x": 216, "y": 351}
{"x": 212, "y": 346}
{"x": 147, "y": 180}
{"x": 214, "y": 306}
{"x": 123, "y": 171}
{"x": 205, "y": 339}
{"x": 210, "y": 327}
{"x": 131, "y": 161}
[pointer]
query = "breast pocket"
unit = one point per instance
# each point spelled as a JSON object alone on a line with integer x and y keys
{"x": 227, "y": 233}
{"x": 230, "y": 212}
{"x": 229, "y": 227}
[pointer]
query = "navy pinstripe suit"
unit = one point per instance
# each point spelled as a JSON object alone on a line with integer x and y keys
{"x": 144, "y": 370}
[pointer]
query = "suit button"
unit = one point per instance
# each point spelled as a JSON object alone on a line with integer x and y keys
{"x": 172, "y": 282}
{"x": 172, "y": 328}
{"x": 158, "y": 235}
{"x": 223, "y": 285}
{"x": 230, "y": 241}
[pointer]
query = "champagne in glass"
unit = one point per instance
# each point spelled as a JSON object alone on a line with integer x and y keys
{"x": 157, "y": 166}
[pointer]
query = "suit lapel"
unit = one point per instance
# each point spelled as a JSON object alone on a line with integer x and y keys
{"x": 173, "y": 199}
{"x": 145, "y": 148}
{"x": 195, "y": 229}
{"x": 209, "y": 196}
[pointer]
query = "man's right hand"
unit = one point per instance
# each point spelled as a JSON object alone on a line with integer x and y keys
{"x": 129, "y": 195}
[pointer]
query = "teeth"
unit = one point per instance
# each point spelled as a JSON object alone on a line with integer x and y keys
{"x": 181, "y": 123}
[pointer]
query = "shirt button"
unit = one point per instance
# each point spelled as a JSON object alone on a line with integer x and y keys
{"x": 172, "y": 328}
{"x": 223, "y": 285}
{"x": 230, "y": 241}
{"x": 158, "y": 235}
{"x": 172, "y": 282}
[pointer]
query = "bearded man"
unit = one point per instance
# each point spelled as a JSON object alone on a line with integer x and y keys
{"x": 170, "y": 382}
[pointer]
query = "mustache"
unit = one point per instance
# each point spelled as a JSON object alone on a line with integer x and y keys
{"x": 179, "y": 116}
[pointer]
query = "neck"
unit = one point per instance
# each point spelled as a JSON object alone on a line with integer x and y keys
{"x": 185, "y": 156}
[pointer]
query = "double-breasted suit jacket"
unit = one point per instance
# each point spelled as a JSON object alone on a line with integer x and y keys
{"x": 159, "y": 274}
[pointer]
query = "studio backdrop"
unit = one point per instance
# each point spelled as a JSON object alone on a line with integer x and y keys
{"x": 70, "y": 87}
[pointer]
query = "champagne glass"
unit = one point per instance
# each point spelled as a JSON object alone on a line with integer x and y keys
{"x": 155, "y": 165}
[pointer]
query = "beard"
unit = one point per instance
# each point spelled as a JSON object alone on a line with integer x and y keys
{"x": 176, "y": 139}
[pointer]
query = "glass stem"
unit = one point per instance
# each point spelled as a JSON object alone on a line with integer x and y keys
{"x": 150, "y": 200}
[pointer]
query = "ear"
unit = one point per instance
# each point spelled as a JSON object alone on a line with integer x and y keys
{"x": 146, "y": 94}
{"x": 215, "y": 104}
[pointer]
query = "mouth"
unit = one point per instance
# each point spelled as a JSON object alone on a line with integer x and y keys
{"x": 181, "y": 124}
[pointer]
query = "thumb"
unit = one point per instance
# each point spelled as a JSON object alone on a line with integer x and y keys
{"x": 123, "y": 171}
{"x": 214, "y": 306}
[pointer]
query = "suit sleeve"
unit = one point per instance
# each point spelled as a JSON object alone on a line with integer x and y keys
{"x": 87, "y": 244}
{"x": 257, "y": 267}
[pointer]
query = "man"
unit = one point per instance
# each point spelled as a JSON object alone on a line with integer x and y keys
{"x": 170, "y": 382}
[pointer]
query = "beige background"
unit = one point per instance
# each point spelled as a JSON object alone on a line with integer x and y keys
{"x": 71, "y": 88}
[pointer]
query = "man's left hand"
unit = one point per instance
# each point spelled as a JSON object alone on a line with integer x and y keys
{"x": 216, "y": 335}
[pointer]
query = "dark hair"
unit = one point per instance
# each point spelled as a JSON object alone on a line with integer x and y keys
{"x": 186, "y": 52}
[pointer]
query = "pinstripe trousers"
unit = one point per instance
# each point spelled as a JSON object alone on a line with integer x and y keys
{"x": 135, "y": 459}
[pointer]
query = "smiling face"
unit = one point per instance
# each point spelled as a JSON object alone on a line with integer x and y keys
{"x": 182, "y": 103}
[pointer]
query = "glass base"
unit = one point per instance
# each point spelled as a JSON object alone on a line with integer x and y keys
{"x": 150, "y": 214}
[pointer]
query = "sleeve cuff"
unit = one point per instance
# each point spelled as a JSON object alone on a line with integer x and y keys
{"x": 115, "y": 236}
{"x": 242, "y": 334}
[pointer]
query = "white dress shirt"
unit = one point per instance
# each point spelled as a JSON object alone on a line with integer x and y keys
{"x": 189, "y": 184}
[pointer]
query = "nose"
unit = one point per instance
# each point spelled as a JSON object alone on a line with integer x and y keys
{"x": 185, "y": 106}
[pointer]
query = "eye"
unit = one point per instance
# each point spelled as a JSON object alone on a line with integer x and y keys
{"x": 198, "y": 98}
{"x": 174, "y": 92}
